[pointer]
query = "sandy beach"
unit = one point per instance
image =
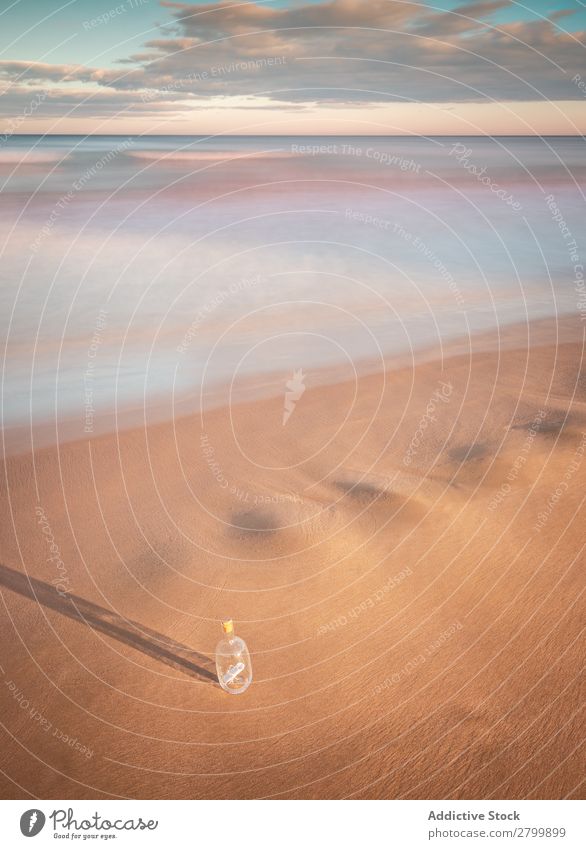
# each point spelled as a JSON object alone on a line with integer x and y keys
{"x": 404, "y": 559}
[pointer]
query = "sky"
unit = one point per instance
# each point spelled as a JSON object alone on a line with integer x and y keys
{"x": 369, "y": 67}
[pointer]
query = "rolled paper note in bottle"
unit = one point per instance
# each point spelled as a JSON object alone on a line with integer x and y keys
{"x": 233, "y": 661}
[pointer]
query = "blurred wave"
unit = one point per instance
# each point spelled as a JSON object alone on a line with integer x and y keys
{"x": 133, "y": 267}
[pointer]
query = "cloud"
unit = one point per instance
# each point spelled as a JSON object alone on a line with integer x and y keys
{"x": 341, "y": 51}
{"x": 229, "y": 18}
{"x": 20, "y": 71}
{"x": 378, "y": 51}
{"x": 75, "y": 103}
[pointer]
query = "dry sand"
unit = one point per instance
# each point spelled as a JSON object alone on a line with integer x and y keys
{"x": 415, "y": 625}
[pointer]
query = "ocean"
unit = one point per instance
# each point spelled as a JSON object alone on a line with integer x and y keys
{"x": 136, "y": 269}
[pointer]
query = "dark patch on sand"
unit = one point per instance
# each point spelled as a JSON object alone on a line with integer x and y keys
{"x": 364, "y": 491}
{"x": 254, "y": 523}
{"x": 464, "y": 453}
{"x": 554, "y": 425}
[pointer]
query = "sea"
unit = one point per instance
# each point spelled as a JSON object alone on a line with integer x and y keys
{"x": 141, "y": 268}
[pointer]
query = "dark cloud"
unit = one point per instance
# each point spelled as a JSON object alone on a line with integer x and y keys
{"x": 229, "y": 18}
{"x": 376, "y": 51}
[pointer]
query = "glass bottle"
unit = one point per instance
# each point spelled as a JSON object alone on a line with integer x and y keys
{"x": 233, "y": 661}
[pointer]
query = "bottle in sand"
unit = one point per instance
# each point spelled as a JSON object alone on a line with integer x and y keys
{"x": 233, "y": 661}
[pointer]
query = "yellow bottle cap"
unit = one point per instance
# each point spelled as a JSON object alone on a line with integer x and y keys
{"x": 228, "y": 626}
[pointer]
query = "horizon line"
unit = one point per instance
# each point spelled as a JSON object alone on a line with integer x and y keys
{"x": 306, "y": 135}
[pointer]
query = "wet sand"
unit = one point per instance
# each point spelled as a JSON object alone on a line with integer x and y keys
{"x": 404, "y": 559}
